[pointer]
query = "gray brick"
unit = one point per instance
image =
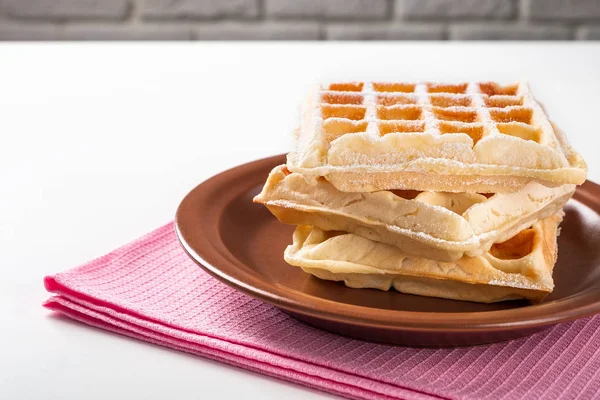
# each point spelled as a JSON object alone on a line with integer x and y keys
{"x": 258, "y": 31}
{"x": 124, "y": 32}
{"x": 456, "y": 9}
{"x": 200, "y": 9}
{"x": 384, "y": 32}
{"x": 66, "y": 9}
{"x": 334, "y": 9}
{"x": 25, "y": 32}
{"x": 509, "y": 32}
{"x": 589, "y": 33}
{"x": 564, "y": 10}
{"x": 35, "y": 32}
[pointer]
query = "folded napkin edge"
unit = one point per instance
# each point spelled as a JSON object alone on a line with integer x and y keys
{"x": 60, "y": 304}
{"x": 64, "y": 294}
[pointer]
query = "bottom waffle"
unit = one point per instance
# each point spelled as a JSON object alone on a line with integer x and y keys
{"x": 518, "y": 268}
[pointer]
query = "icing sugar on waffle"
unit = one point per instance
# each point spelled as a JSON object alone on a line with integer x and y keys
{"x": 519, "y": 268}
{"x": 434, "y": 109}
{"x": 483, "y": 136}
{"x": 437, "y": 225}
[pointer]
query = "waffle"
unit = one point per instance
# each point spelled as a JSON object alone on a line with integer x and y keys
{"x": 475, "y": 137}
{"x": 518, "y": 268}
{"x": 438, "y": 225}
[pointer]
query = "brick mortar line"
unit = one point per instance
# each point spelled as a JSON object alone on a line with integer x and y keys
{"x": 252, "y": 21}
{"x": 135, "y": 12}
{"x": 321, "y": 23}
{"x": 408, "y": 24}
{"x": 262, "y": 11}
{"x": 131, "y": 6}
{"x": 178, "y": 22}
{"x": 522, "y": 10}
{"x": 446, "y": 32}
{"x": 391, "y": 10}
{"x": 223, "y": 19}
{"x": 523, "y": 23}
{"x": 133, "y": 17}
{"x": 464, "y": 20}
{"x": 297, "y": 19}
{"x": 456, "y": 19}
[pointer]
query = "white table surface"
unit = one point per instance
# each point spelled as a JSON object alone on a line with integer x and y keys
{"x": 98, "y": 144}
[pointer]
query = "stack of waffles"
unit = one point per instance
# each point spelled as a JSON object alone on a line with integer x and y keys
{"x": 444, "y": 190}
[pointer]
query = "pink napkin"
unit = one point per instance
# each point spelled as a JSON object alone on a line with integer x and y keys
{"x": 152, "y": 291}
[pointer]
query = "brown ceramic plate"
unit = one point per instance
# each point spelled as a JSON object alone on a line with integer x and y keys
{"x": 241, "y": 244}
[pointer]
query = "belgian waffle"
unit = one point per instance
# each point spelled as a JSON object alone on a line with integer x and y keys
{"x": 518, "y": 268}
{"x": 441, "y": 226}
{"x": 468, "y": 137}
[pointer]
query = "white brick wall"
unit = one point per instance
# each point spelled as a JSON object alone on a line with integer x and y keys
{"x": 299, "y": 19}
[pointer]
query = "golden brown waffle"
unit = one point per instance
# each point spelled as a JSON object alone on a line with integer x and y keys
{"x": 438, "y": 225}
{"x": 518, "y": 268}
{"x": 475, "y": 137}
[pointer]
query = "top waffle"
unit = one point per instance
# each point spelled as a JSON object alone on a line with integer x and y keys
{"x": 475, "y": 137}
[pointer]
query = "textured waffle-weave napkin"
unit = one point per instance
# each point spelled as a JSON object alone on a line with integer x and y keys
{"x": 150, "y": 290}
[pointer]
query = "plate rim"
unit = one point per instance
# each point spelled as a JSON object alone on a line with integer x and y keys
{"x": 214, "y": 252}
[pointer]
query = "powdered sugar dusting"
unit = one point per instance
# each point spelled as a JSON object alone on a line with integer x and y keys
{"x": 371, "y": 111}
{"x": 431, "y": 122}
{"x": 473, "y": 130}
